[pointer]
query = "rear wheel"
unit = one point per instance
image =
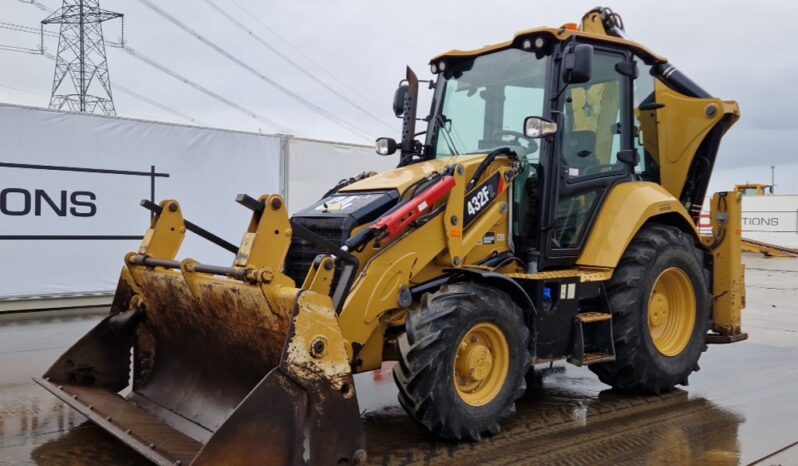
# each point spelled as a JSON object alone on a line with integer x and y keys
{"x": 463, "y": 360}
{"x": 660, "y": 302}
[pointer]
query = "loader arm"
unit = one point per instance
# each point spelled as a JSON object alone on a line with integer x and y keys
{"x": 443, "y": 241}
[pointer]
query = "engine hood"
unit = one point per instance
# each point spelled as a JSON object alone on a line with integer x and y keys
{"x": 400, "y": 178}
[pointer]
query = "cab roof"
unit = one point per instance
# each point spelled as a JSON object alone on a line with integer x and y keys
{"x": 557, "y": 34}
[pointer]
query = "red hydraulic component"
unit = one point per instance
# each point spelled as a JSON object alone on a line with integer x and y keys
{"x": 397, "y": 222}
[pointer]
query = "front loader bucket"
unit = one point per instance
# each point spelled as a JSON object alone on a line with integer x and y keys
{"x": 225, "y": 370}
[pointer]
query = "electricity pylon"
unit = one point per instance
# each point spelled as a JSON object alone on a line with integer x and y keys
{"x": 81, "y": 82}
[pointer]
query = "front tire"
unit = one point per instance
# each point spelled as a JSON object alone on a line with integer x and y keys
{"x": 660, "y": 302}
{"x": 462, "y": 361}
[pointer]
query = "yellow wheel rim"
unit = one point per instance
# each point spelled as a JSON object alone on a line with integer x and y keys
{"x": 481, "y": 364}
{"x": 671, "y": 312}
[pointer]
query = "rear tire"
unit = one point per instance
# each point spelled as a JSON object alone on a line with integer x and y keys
{"x": 658, "y": 338}
{"x": 447, "y": 342}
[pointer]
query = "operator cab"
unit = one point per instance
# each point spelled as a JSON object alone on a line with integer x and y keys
{"x": 596, "y": 99}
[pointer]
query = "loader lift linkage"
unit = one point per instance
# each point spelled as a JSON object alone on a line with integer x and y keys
{"x": 549, "y": 214}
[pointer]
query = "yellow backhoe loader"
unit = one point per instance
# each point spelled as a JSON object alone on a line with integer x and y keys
{"x": 548, "y": 214}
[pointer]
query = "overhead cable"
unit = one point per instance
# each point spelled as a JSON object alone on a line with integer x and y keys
{"x": 211, "y": 44}
{"x": 28, "y": 29}
{"x": 293, "y": 63}
{"x": 164, "y": 69}
{"x": 161, "y": 106}
{"x": 37, "y": 4}
{"x": 23, "y": 90}
{"x": 299, "y": 52}
{"x": 135, "y": 53}
{"x": 138, "y": 96}
{"x": 14, "y": 48}
{"x": 121, "y": 88}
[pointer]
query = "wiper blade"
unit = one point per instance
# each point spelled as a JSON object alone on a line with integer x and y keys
{"x": 440, "y": 122}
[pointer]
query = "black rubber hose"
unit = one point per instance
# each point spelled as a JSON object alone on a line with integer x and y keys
{"x": 486, "y": 163}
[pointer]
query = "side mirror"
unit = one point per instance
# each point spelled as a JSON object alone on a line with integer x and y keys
{"x": 399, "y": 100}
{"x": 536, "y": 127}
{"x": 577, "y": 64}
{"x": 385, "y": 146}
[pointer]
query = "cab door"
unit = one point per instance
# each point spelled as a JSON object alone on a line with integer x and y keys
{"x": 594, "y": 126}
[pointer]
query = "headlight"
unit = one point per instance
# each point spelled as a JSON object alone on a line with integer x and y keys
{"x": 385, "y": 146}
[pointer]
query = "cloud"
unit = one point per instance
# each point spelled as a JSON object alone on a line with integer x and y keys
{"x": 730, "y": 48}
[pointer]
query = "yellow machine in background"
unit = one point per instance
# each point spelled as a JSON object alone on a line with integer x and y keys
{"x": 753, "y": 189}
{"x": 549, "y": 214}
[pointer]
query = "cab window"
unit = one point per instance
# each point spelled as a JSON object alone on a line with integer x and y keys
{"x": 592, "y": 117}
{"x": 645, "y": 125}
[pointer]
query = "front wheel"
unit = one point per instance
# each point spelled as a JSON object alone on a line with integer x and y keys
{"x": 660, "y": 302}
{"x": 463, "y": 359}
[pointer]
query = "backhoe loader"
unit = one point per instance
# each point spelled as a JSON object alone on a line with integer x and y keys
{"x": 548, "y": 213}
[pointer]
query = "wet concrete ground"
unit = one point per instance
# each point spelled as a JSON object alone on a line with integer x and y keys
{"x": 741, "y": 408}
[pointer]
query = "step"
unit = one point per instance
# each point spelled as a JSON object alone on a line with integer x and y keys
{"x": 593, "y": 358}
{"x": 591, "y": 317}
{"x": 592, "y": 339}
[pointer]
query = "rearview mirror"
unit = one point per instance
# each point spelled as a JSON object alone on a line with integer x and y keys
{"x": 577, "y": 64}
{"x": 536, "y": 127}
{"x": 399, "y": 100}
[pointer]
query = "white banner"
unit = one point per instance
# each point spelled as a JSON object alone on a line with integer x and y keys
{"x": 767, "y": 218}
{"x": 772, "y": 219}
{"x": 70, "y": 187}
{"x": 48, "y": 201}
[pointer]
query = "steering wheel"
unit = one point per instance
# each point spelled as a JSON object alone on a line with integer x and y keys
{"x": 532, "y": 145}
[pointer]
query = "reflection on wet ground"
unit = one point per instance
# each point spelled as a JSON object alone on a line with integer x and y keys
{"x": 740, "y": 408}
{"x": 36, "y": 428}
{"x": 562, "y": 422}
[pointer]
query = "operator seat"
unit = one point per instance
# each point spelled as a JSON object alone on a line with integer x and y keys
{"x": 580, "y": 151}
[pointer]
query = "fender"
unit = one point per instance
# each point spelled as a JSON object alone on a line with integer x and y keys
{"x": 497, "y": 280}
{"x": 627, "y": 208}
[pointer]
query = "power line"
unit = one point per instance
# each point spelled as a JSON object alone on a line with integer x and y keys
{"x": 124, "y": 90}
{"x": 14, "y": 48}
{"x": 28, "y": 29}
{"x": 208, "y": 92}
{"x": 138, "y": 96}
{"x": 23, "y": 90}
{"x": 299, "y": 52}
{"x": 328, "y": 115}
{"x": 162, "y": 68}
{"x": 323, "y": 112}
{"x": 43, "y": 32}
{"x": 37, "y": 5}
{"x": 154, "y": 64}
{"x": 293, "y": 63}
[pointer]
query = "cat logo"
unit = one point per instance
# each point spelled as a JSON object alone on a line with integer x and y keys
{"x": 337, "y": 204}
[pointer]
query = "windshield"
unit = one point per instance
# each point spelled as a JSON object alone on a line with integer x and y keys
{"x": 485, "y": 102}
